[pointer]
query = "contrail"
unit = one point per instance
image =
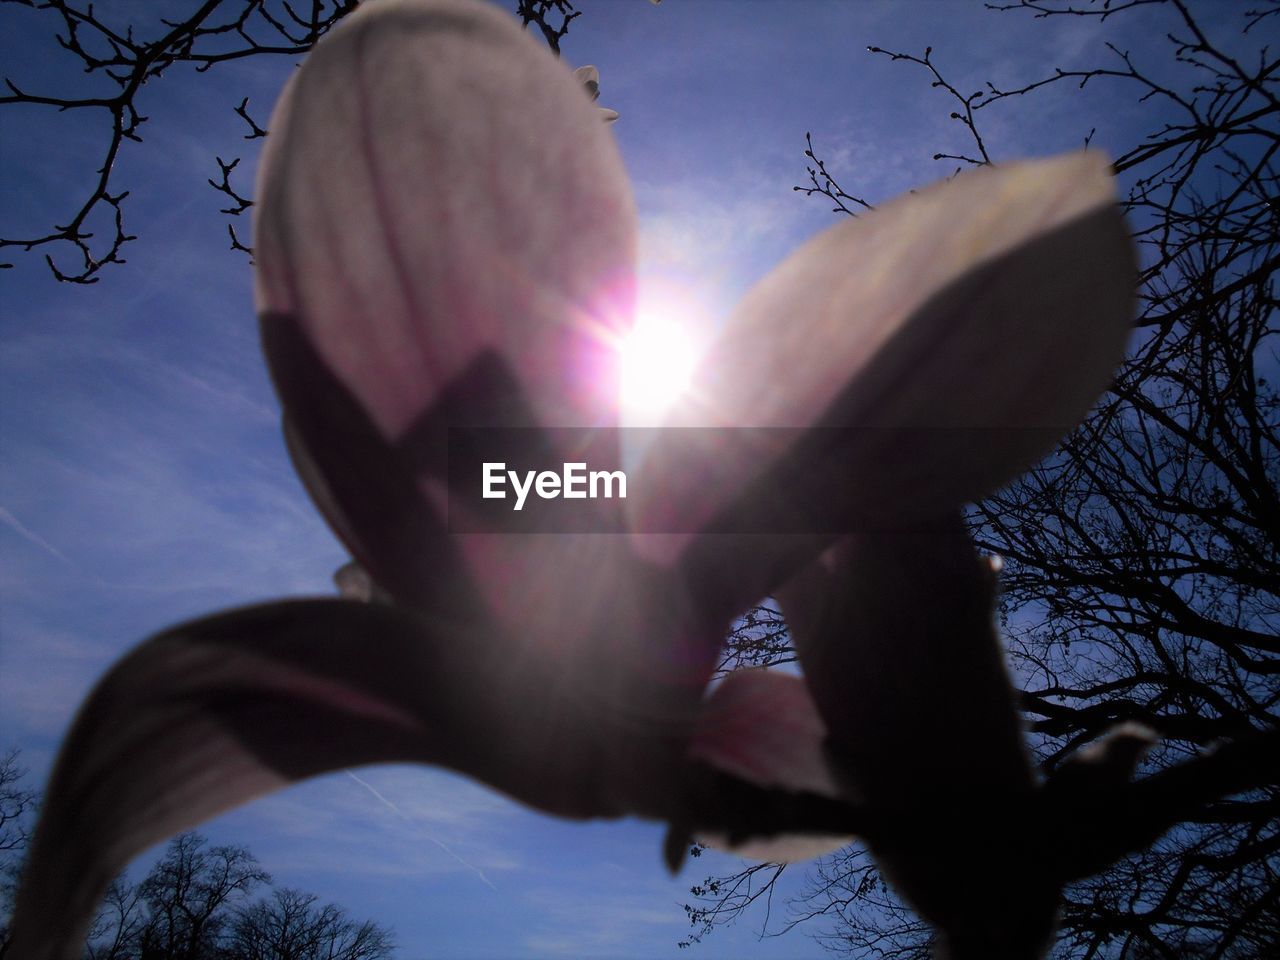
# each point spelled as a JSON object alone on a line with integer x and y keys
{"x": 439, "y": 843}
{"x": 14, "y": 524}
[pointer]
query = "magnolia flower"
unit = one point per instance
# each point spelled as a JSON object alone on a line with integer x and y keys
{"x": 445, "y": 237}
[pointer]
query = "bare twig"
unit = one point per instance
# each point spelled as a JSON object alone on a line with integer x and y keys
{"x": 119, "y": 58}
{"x": 1141, "y": 575}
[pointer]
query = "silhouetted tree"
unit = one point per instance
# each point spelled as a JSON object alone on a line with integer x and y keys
{"x": 118, "y": 52}
{"x": 195, "y": 904}
{"x": 1141, "y": 561}
{"x": 120, "y": 925}
{"x": 17, "y": 814}
{"x": 189, "y": 895}
{"x": 16, "y": 805}
{"x": 289, "y": 925}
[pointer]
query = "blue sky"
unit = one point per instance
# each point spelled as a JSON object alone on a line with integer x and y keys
{"x": 143, "y": 478}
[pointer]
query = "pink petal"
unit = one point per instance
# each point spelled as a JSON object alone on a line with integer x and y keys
{"x": 211, "y": 714}
{"x": 206, "y": 716}
{"x": 945, "y": 341}
{"x": 367, "y": 488}
{"x": 436, "y": 194}
{"x": 444, "y": 238}
{"x": 762, "y": 727}
{"x": 582, "y": 606}
{"x": 624, "y": 641}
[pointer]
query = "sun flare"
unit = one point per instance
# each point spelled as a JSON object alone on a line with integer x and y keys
{"x": 658, "y": 356}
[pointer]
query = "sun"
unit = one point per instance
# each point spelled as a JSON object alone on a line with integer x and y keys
{"x": 658, "y": 355}
{"x": 657, "y": 362}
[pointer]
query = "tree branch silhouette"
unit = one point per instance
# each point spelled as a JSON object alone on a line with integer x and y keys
{"x": 1141, "y": 576}
{"x": 118, "y": 57}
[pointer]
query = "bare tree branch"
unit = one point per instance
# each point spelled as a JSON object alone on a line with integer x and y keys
{"x": 1141, "y": 575}
{"x": 117, "y": 58}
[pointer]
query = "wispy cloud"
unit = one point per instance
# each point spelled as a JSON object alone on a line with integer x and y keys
{"x": 723, "y": 233}
{"x": 46, "y": 670}
{"x": 606, "y": 926}
{"x": 391, "y": 822}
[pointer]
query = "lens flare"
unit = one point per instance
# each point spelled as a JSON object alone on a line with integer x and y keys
{"x": 658, "y": 356}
